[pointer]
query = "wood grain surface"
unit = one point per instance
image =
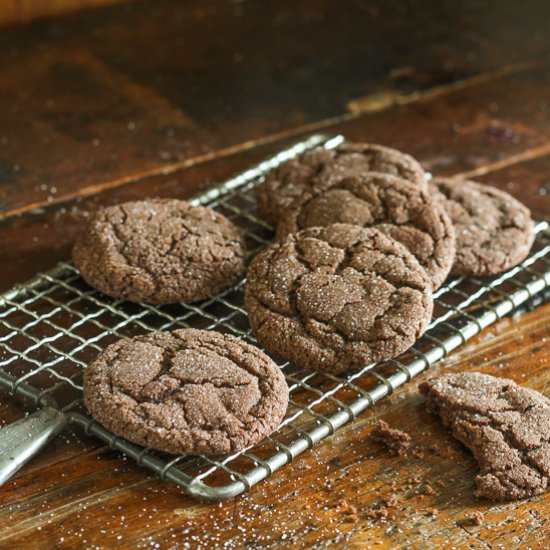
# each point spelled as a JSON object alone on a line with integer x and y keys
{"x": 164, "y": 99}
{"x": 23, "y": 11}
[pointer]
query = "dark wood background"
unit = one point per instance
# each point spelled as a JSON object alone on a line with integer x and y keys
{"x": 23, "y": 11}
{"x": 163, "y": 99}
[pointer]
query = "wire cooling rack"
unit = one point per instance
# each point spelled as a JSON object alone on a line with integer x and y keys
{"x": 53, "y": 325}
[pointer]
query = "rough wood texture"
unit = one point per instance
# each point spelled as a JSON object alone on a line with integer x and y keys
{"x": 464, "y": 88}
{"x": 23, "y": 11}
{"x": 111, "y": 95}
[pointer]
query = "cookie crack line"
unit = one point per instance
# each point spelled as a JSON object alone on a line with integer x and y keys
{"x": 524, "y": 456}
{"x": 506, "y": 435}
{"x": 343, "y": 264}
{"x": 334, "y": 329}
{"x": 317, "y": 167}
{"x": 472, "y": 213}
{"x": 224, "y": 353}
{"x": 312, "y": 195}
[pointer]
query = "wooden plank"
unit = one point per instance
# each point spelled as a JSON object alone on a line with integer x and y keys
{"x": 106, "y": 96}
{"x": 527, "y": 180}
{"x": 451, "y": 133}
{"x": 24, "y": 11}
{"x": 309, "y": 501}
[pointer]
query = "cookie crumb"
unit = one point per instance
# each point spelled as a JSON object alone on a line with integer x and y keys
{"x": 434, "y": 449}
{"x": 391, "y": 501}
{"x": 348, "y": 508}
{"x": 380, "y": 514}
{"x": 429, "y": 490}
{"x": 477, "y": 518}
{"x": 417, "y": 452}
{"x": 350, "y": 511}
{"x": 397, "y": 441}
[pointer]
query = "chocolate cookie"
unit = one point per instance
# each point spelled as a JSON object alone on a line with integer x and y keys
{"x": 507, "y": 427}
{"x": 493, "y": 230}
{"x": 320, "y": 166}
{"x": 337, "y": 298}
{"x": 388, "y": 203}
{"x": 159, "y": 251}
{"x": 187, "y": 391}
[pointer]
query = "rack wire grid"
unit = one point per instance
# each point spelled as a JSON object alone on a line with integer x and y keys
{"x": 53, "y": 325}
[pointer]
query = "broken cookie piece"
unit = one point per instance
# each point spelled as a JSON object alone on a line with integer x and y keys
{"x": 507, "y": 427}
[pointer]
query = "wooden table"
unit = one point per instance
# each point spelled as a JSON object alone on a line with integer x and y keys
{"x": 164, "y": 98}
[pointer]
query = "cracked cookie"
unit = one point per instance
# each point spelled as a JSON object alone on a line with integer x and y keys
{"x": 337, "y": 298}
{"x": 507, "y": 427}
{"x": 319, "y": 166}
{"x": 159, "y": 251}
{"x": 187, "y": 391}
{"x": 394, "y": 206}
{"x": 493, "y": 230}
